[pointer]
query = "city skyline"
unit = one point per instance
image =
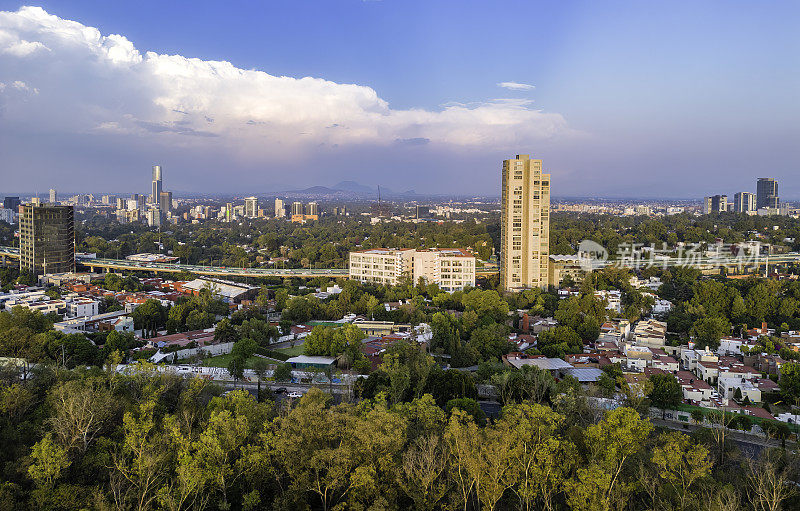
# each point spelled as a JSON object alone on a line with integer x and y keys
{"x": 595, "y": 95}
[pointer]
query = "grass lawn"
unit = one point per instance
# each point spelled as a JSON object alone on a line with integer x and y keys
{"x": 223, "y": 360}
{"x": 292, "y": 352}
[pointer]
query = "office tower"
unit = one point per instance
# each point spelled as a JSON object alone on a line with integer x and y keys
{"x": 251, "y": 207}
{"x": 423, "y": 212}
{"x": 297, "y": 208}
{"x": 165, "y": 202}
{"x": 312, "y": 209}
{"x": 744, "y": 202}
{"x": 53, "y": 196}
{"x": 155, "y": 194}
{"x": 524, "y": 224}
{"x": 767, "y": 193}
{"x": 228, "y": 211}
{"x": 11, "y": 203}
{"x": 36, "y": 201}
{"x": 280, "y": 209}
{"x": 107, "y": 199}
{"x": 47, "y": 238}
{"x": 715, "y": 204}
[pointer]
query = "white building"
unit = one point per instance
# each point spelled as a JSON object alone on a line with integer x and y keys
{"x": 451, "y": 269}
{"x": 650, "y": 333}
{"x": 613, "y": 299}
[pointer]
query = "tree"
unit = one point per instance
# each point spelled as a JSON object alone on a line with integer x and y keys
{"x": 468, "y": 405}
{"x": 82, "y": 413}
{"x": 709, "y": 330}
{"x": 612, "y": 442}
{"x": 423, "y": 477}
{"x": 769, "y": 482}
{"x": 790, "y": 381}
{"x": 666, "y": 393}
{"x": 260, "y": 368}
{"x": 681, "y": 464}
{"x": 149, "y": 316}
{"x": 283, "y": 372}
{"x": 225, "y": 331}
{"x": 49, "y": 461}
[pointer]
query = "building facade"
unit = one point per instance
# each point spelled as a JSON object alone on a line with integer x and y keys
{"x": 767, "y": 193}
{"x": 715, "y": 204}
{"x": 251, "y": 207}
{"x": 155, "y": 193}
{"x": 524, "y": 224}
{"x": 280, "y": 209}
{"x": 47, "y": 239}
{"x": 744, "y": 202}
{"x": 452, "y": 269}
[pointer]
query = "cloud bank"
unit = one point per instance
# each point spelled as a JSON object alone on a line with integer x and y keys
{"x": 516, "y": 86}
{"x": 62, "y": 77}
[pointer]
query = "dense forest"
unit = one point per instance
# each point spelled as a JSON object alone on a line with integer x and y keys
{"x": 95, "y": 439}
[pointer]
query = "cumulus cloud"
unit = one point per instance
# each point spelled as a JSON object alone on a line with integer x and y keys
{"x": 516, "y": 86}
{"x": 80, "y": 81}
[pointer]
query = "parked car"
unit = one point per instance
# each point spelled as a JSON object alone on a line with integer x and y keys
{"x": 280, "y": 390}
{"x": 294, "y": 394}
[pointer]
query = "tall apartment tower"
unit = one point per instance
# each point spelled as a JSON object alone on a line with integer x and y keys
{"x": 524, "y": 224}
{"x": 280, "y": 209}
{"x": 47, "y": 238}
{"x": 297, "y": 208}
{"x": 767, "y": 193}
{"x": 53, "y": 196}
{"x": 155, "y": 195}
{"x": 312, "y": 208}
{"x": 744, "y": 202}
{"x": 251, "y": 207}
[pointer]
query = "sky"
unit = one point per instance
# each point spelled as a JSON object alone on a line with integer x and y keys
{"x": 618, "y": 98}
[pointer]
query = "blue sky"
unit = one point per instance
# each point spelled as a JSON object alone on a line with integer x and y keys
{"x": 678, "y": 99}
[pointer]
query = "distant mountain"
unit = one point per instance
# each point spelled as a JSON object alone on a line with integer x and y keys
{"x": 352, "y": 186}
{"x": 351, "y": 189}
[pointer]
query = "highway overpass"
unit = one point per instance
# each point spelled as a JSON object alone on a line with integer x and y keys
{"x": 227, "y": 271}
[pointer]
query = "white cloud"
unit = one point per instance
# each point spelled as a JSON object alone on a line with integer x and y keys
{"x": 95, "y": 84}
{"x": 516, "y": 86}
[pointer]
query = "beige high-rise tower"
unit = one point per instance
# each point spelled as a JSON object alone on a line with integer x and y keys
{"x": 524, "y": 224}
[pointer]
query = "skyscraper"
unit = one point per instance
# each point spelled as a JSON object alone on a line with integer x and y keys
{"x": 251, "y": 207}
{"x": 47, "y": 238}
{"x": 312, "y": 209}
{"x": 155, "y": 194}
{"x": 767, "y": 193}
{"x": 297, "y": 208}
{"x": 53, "y": 196}
{"x": 524, "y": 224}
{"x": 165, "y": 202}
{"x": 744, "y": 202}
{"x": 715, "y": 204}
{"x": 280, "y": 209}
{"x": 11, "y": 203}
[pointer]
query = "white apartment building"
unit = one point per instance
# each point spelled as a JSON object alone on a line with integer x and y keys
{"x": 81, "y": 307}
{"x": 451, "y": 269}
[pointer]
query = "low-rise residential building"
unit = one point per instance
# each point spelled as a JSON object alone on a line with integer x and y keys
{"x": 517, "y": 360}
{"x": 694, "y": 389}
{"x": 650, "y": 333}
{"x": 117, "y": 320}
{"x": 750, "y": 388}
{"x": 613, "y": 299}
{"x": 452, "y": 269}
